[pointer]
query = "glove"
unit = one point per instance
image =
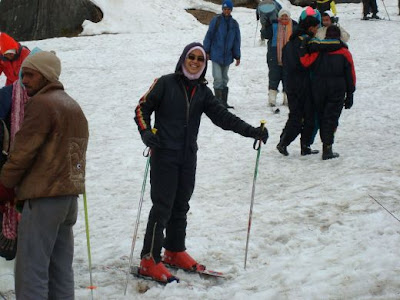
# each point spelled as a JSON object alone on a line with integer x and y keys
{"x": 259, "y": 134}
{"x": 348, "y": 102}
{"x": 6, "y": 194}
{"x": 150, "y": 139}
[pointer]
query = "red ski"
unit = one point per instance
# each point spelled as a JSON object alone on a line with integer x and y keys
{"x": 199, "y": 269}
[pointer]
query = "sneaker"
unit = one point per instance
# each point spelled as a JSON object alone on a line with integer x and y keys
{"x": 182, "y": 260}
{"x": 156, "y": 271}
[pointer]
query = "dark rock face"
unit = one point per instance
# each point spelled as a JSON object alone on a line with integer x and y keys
{"x": 40, "y": 19}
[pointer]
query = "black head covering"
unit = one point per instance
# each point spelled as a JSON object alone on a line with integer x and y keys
{"x": 178, "y": 68}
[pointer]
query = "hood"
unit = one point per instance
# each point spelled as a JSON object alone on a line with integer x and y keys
{"x": 182, "y": 58}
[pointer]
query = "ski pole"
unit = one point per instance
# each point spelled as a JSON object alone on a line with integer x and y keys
{"x": 256, "y": 146}
{"x": 146, "y": 153}
{"x": 91, "y": 287}
{"x": 383, "y": 2}
{"x": 255, "y": 35}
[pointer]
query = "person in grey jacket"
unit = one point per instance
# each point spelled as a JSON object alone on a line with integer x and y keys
{"x": 329, "y": 19}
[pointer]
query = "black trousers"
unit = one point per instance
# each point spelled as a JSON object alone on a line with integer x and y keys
{"x": 275, "y": 72}
{"x": 301, "y": 111}
{"x": 328, "y": 94}
{"x": 172, "y": 178}
{"x": 369, "y": 6}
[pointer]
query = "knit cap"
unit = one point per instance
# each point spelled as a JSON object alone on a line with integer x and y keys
{"x": 227, "y": 4}
{"x": 46, "y": 63}
{"x": 7, "y": 43}
{"x": 283, "y": 12}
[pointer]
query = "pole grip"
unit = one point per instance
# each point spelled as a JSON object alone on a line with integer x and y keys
{"x": 257, "y": 143}
{"x": 146, "y": 151}
{"x": 263, "y": 122}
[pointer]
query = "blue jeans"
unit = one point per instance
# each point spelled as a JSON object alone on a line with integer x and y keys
{"x": 220, "y": 74}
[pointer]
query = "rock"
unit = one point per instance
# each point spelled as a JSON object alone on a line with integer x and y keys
{"x": 41, "y": 19}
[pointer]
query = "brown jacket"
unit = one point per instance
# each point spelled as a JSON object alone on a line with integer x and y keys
{"x": 49, "y": 154}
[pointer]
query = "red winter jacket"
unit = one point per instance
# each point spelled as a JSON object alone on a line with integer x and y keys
{"x": 11, "y": 68}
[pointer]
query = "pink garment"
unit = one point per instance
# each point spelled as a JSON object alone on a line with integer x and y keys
{"x": 19, "y": 98}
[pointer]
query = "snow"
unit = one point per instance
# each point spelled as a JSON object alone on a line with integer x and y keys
{"x": 316, "y": 232}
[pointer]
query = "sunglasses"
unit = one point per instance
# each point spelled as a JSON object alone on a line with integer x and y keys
{"x": 194, "y": 57}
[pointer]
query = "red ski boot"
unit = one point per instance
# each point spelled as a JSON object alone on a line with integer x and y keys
{"x": 158, "y": 272}
{"x": 182, "y": 260}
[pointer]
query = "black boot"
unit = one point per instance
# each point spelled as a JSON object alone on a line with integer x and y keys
{"x": 282, "y": 149}
{"x": 306, "y": 150}
{"x": 225, "y": 92}
{"x": 327, "y": 152}
{"x": 219, "y": 95}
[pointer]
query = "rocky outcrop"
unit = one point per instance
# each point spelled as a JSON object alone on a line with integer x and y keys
{"x": 40, "y": 19}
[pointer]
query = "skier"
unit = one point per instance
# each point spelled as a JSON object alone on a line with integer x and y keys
{"x": 329, "y": 19}
{"x": 368, "y": 7}
{"x": 178, "y": 101}
{"x": 12, "y": 54}
{"x": 278, "y": 34}
{"x": 222, "y": 45}
{"x": 298, "y": 87}
{"x": 267, "y": 12}
{"x": 333, "y": 85}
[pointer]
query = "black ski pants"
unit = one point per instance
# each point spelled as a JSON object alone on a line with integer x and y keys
{"x": 172, "y": 179}
{"x": 369, "y": 6}
{"x": 329, "y": 94}
{"x": 301, "y": 110}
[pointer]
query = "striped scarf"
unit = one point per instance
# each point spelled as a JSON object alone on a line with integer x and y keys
{"x": 284, "y": 33}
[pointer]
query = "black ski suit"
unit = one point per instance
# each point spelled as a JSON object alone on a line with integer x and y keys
{"x": 298, "y": 90}
{"x": 178, "y": 104}
{"x": 333, "y": 78}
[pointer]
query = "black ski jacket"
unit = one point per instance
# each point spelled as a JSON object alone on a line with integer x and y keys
{"x": 178, "y": 105}
{"x": 334, "y": 64}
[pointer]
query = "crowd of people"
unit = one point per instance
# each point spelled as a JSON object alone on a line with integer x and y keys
{"x": 44, "y": 169}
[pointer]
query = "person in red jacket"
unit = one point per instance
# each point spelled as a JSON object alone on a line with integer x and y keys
{"x": 333, "y": 85}
{"x": 12, "y": 54}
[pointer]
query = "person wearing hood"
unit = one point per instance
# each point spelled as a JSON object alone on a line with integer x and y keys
{"x": 178, "y": 101}
{"x": 12, "y": 54}
{"x": 333, "y": 85}
{"x": 278, "y": 33}
{"x": 46, "y": 168}
{"x": 222, "y": 45}
{"x": 329, "y": 19}
{"x": 298, "y": 87}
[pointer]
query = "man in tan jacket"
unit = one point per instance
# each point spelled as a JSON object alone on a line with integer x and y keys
{"x": 46, "y": 166}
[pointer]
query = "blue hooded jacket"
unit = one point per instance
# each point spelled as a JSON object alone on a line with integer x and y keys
{"x": 223, "y": 44}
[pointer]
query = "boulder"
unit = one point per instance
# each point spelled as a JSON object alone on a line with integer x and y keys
{"x": 41, "y": 19}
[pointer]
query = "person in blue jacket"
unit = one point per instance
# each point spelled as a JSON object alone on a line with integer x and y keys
{"x": 222, "y": 45}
